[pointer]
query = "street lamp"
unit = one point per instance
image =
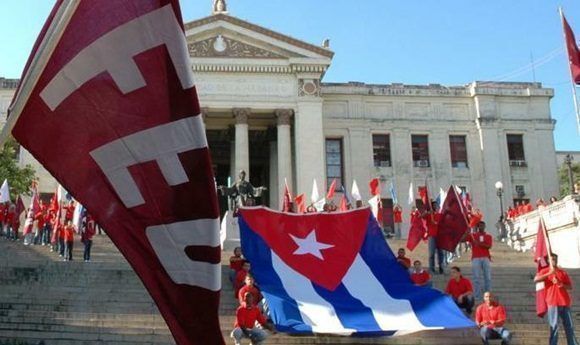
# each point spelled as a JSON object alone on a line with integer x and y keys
{"x": 499, "y": 190}
{"x": 568, "y": 161}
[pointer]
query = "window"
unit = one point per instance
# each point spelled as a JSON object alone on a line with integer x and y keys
{"x": 515, "y": 144}
{"x": 381, "y": 150}
{"x": 334, "y": 161}
{"x": 420, "y": 147}
{"x": 458, "y": 151}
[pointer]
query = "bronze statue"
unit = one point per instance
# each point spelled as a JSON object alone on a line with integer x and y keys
{"x": 242, "y": 193}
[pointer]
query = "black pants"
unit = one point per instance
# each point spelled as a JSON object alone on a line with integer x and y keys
{"x": 68, "y": 248}
{"x": 87, "y": 252}
{"x": 467, "y": 304}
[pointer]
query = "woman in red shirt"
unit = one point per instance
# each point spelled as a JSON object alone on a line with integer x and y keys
{"x": 397, "y": 219}
{"x": 461, "y": 290}
{"x": 419, "y": 276}
{"x": 68, "y": 234}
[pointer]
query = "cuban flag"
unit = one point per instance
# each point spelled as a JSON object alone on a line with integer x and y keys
{"x": 333, "y": 273}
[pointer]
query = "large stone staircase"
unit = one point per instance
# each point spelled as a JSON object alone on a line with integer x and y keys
{"x": 103, "y": 302}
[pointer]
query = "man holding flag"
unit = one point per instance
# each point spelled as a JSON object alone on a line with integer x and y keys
{"x": 557, "y": 284}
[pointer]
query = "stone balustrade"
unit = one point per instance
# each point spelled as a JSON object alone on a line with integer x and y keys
{"x": 562, "y": 221}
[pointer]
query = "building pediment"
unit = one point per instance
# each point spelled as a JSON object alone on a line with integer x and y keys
{"x": 224, "y": 43}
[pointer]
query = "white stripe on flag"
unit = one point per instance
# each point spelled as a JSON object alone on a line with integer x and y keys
{"x": 391, "y": 314}
{"x": 315, "y": 310}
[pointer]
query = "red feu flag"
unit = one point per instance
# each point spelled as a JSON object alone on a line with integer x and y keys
{"x": 343, "y": 204}
{"x": 32, "y": 211}
{"x": 19, "y": 207}
{"x": 375, "y": 187}
{"x": 108, "y": 105}
{"x": 453, "y": 222}
{"x": 573, "y": 51}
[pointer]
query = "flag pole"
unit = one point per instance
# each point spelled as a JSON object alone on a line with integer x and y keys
{"x": 39, "y": 61}
{"x": 571, "y": 75}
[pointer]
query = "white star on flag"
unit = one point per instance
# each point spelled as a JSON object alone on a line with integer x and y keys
{"x": 309, "y": 245}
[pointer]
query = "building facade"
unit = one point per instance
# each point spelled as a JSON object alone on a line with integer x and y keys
{"x": 267, "y": 111}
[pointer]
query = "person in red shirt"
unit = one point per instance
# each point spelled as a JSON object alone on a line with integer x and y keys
{"x": 69, "y": 210}
{"x": 240, "y": 277}
{"x": 527, "y": 207}
{"x": 236, "y": 262}
{"x": 397, "y": 219}
{"x": 251, "y": 288}
{"x": 68, "y": 234}
{"x": 481, "y": 243}
{"x": 461, "y": 290}
{"x": 245, "y": 327}
{"x": 432, "y": 217}
{"x": 557, "y": 283}
{"x": 402, "y": 260}
{"x": 490, "y": 317}
{"x": 87, "y": 233}
{"x": 419, "y": 276}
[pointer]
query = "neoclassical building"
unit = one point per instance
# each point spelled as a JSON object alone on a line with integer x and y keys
{"x": 268, "y": 111}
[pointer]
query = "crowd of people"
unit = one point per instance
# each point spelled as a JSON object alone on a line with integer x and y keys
{"x": 51, "y": 225}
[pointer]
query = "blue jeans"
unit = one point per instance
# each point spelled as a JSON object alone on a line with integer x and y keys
{"x": 481, "y": 269}
{"x": 563, "y": 313}
{"x": 46, "y": 234}
{"x": 467, "y": 303}
{"x": 495, "y": 333}
{"x": 256, "y": 335}
{"x": 87, "y": 253}
{"x": 432, "y": 249}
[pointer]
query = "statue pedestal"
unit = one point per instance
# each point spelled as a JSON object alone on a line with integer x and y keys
{"x": 229, "y": 232}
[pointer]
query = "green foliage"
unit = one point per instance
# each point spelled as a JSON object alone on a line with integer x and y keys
{"x": 563, "y": 177}
{"x": 19, "y": 179}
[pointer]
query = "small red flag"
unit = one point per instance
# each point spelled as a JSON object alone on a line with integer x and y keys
{"x": 343, "y": 204}
{"x": 453, "y": 222}
{"x": 416, "y": 231}
{"x": 331, "y": 190}
{"x": 32, "y": 211}
{"x": 287, "y": 202}
{"x": 19, "y": 207}
{"x": 539, "y": 256}
{"x": 424, "y": 196}
{"x": 299, "y": 200}
{"x": 375, "y": 187}
{"x": 573, "y": 51}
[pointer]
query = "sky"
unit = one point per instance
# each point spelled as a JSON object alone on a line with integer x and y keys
{"x": 451, "y": 42}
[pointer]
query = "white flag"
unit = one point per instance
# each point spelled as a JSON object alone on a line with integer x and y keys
{"x": 314, "y": 197}
{"x": 5, "y": 192}
{"x": 355, "y": 192}
{"x": 319, "y": 205}
{"x": 411, "y": 194}
{"x": 374, "y": 203}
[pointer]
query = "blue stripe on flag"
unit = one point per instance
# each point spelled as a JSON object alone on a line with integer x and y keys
{"x": 351, "y": 312}
{"x": 283, "y": 309}
{"x": 432, "y": 307}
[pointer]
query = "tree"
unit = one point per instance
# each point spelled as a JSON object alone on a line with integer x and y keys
{"x": 19, "y": 179}
{"x": 565, "y": 188}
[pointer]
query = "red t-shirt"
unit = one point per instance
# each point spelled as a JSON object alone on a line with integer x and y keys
{"x": 528, "y": 208}
{"x": 239, "y": 281}
{"x": 478, "y": 251}
{"x": 456, "y": 288}
{"x": 247, "y": 317}
{"x": 236, "y": 262}
{"x": 432, "y": 220}
{"x": 251, "y": 289}
{"x": 406, "y": 262}
{"x": 556, "y": 295}
{"x": 494, "y": 313}
{"x": 420, "y": 278}
{"x": 397, "y": 216}
{"x": 68, "y": 234}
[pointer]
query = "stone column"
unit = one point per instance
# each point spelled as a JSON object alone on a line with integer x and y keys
{"x": 242, "y": 152}
{"x": 309, "y": 144}
{"x": 284, "y": 145}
